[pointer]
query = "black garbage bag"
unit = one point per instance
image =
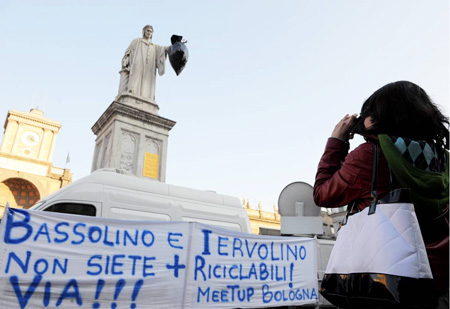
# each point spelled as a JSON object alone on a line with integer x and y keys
{"x": 178, "y": 53}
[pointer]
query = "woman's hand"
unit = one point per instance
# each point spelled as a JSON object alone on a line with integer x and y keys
{"x": 342, "y": 129}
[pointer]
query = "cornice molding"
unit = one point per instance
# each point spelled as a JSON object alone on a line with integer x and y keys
{"x": 117, "y": 108}
{"x": 17, "y": 116}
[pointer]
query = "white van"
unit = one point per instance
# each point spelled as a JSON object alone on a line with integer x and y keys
{"x": 109, "y": 194}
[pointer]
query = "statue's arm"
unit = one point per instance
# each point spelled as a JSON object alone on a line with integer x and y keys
{"x": 127, "y": 58}
{"x": 161, "y": 54}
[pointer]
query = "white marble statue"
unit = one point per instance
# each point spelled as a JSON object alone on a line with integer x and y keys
{"x": 139, "y": 65}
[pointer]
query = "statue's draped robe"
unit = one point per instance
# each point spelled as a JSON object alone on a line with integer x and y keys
{"x": 144, "y": 59}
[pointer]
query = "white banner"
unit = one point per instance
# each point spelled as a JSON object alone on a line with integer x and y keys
{"x": 58, "y": 260}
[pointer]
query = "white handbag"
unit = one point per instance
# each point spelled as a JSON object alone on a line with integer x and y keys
{"x": 379, "y": 258}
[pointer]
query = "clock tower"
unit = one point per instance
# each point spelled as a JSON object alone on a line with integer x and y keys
{"x": 26, "y": 170}
{"x": 30, "y": 135}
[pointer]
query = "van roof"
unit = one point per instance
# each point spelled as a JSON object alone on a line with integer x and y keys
{"x": 114, "y": 178}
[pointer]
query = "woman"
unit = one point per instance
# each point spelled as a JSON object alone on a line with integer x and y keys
{"x": 402, "y": 119}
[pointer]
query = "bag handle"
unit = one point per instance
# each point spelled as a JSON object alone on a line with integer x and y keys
{"x": 373, "y": 192}
{"x": 349, "y": 211}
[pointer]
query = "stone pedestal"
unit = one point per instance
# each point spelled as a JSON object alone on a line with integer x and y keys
{"x": 132, "y": 137}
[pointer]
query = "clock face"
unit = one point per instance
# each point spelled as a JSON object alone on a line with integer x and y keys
{"x": 30, "y": 138}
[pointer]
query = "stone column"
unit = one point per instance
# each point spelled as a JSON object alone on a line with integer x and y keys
{"x": 8, "y": 138}
{"x": 42, "y": 146}
{"x": 16, "y": 137}
{"x": 52, "y": 147}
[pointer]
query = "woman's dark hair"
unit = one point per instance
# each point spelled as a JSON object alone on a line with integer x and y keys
{"x": 404, "y": 109}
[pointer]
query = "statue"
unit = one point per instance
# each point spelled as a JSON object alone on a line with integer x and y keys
{"x": 139, "y": 65}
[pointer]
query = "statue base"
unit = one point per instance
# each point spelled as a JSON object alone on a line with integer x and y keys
{"x": 138, "y": 102}
{"x": 133, "y": 138}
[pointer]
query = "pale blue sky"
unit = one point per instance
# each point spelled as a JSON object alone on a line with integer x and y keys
{"x": 265, "y": 83}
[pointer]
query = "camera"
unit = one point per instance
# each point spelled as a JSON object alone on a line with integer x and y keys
{"x": 358, "y": 126}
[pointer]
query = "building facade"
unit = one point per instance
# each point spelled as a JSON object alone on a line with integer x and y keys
{"x": 26, "y": 170}
{"x": 269, "y": 223}
{"x": 263, "y": 222}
